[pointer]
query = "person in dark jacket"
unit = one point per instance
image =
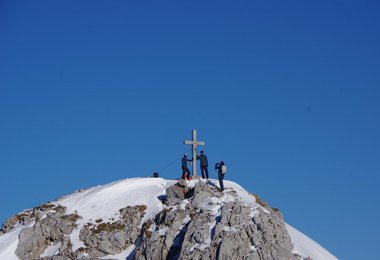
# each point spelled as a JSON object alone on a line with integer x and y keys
{"x": 204, "y": 164}
{"x": 220, "y": 168}
{"x": 185, "y": 171}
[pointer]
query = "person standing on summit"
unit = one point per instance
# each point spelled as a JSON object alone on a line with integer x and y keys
{"x": 222, "y": 169}
{"x": 185, "y": 171}
{"x": 204, "y": 164}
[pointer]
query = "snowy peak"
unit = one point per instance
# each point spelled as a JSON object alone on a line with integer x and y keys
{"x": 154, "y": 218}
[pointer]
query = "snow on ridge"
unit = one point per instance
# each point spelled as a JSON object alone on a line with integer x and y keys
{"x": 244, "y": 195}
{"x": 104, "y": 201}
{"x": 305, "y": 246}
{"x": 9, "y": 243}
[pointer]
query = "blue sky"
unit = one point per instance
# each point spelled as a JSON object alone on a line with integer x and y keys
{"x": 285, "y": 92}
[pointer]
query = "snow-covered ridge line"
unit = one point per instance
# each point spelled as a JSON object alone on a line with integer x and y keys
{"x": 102, "y": 204}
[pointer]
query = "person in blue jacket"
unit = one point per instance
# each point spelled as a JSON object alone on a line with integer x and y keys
{"x": 185, "y": 171}
{"x": 204, "y": 164}
{"x": 222, "y": 169}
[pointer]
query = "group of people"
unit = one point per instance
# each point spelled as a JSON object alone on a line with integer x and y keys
{"x": 220, "y": 166}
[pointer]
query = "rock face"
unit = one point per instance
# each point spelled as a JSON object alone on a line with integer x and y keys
{"x": 113, "y": 238}
{"x": 53, "y": 228}
{"x": 205, "y": 226}
{"x": 198, "y": 222}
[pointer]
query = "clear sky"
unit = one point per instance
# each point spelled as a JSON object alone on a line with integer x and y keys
{"x": 285, "y": 92}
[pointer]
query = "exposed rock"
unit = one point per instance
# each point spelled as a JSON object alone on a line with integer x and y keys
{"x": 235, "y": 231}
{"x": 51, "y": 229}
{"x": 113, "y": 237}
{"x": 12, "y": 221}
{"x": 161, "y": 239}
{"x": 239, "y": 236}
{"x": 265, "y": 205}
{"x": 27, "y": 216}
{"x": 197, "y": 222}
{"x": 177, "y": 193}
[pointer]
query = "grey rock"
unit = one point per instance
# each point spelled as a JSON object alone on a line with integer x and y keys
{"x": 271, "y": 237}
{"x": 203, "y": 191}
{"x": 113, "y": 237}
{"x": 195, "y": 223}
{"x": 10, "y": 223}
{"x": 175, "y": 194}
{"x": 233, "y": 234}
{"x": 52, "y": 229}
{"x": 198, "y": 236}
{"x": 27, "y": 216}
{"x": 164, "y": 239}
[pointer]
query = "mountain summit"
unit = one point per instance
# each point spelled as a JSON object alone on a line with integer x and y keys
{"x": 154, "y": 218}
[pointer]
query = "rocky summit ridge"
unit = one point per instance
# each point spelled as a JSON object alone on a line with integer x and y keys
{"x": 153, "y": 218}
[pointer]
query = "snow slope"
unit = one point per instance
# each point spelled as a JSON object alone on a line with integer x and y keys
{"x": 103, "y": 202}
{"x": 305, "y": 246}
{"x": 9, "y": 242}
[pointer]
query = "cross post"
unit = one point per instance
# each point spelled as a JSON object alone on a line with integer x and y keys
{"x": 194, "y": 143}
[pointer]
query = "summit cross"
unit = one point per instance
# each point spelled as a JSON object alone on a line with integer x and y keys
{"x": 194, "y": 143}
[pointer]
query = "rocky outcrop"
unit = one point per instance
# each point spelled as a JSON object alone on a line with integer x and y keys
{"x": 53, "y": 228}
{"x": 100, "y": 239}
{"x": 27, "y": 216}
{"x": 112, "y": 238}
{"x": 197, "y": 222}
{"x": 207, "y": 227}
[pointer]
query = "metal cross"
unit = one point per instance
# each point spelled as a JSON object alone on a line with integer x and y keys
{"x": 194, "y": 143}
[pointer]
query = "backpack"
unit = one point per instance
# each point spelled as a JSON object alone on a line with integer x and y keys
{"x": 224, "y": 169}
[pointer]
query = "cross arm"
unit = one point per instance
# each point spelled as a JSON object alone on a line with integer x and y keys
{"x": 194, "y": 142}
